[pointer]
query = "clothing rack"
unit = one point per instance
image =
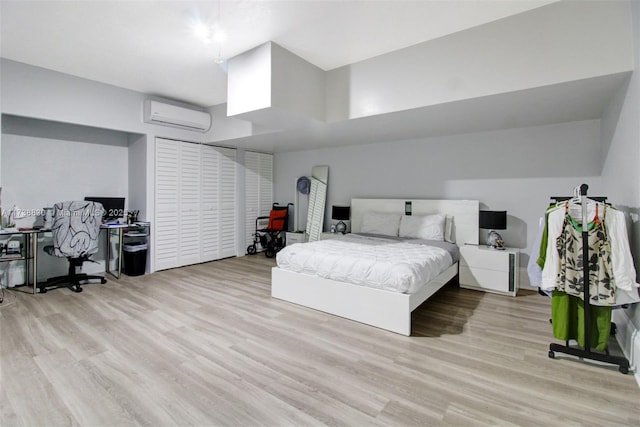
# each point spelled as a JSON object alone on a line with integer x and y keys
{"x": 586, "y": 353}
{"x": 557, "y": 199}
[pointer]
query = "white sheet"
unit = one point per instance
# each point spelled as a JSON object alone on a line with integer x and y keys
{"x": 369, "y": 261}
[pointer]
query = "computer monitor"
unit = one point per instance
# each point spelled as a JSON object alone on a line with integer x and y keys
{"x": 113, "y": 207}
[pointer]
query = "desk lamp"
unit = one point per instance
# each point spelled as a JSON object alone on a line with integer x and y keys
{"x": 494, "y": 220}
{"x": 341, "y": 214}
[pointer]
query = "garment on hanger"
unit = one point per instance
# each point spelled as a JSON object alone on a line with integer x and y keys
{"x": 570, "y": 278}
{"x": 567, "y": 320}
{"x": 581, "y": 257}
{"x": 533, "y": 269}
{"x": 621, "y": 259}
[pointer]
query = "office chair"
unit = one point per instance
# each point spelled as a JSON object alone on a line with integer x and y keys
{"x": 76, "y": 226}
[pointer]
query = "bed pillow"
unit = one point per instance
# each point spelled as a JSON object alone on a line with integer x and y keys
{"x": 429, "y": 227}
{"x": 386, "y": 224}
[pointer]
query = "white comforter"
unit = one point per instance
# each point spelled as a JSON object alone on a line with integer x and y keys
{"x": 369, "y": 261}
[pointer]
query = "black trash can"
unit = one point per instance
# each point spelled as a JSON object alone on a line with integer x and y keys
{"x": 135, "y": 258}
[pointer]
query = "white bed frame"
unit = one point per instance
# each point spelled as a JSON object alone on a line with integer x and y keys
{"x": 383, "y": 309}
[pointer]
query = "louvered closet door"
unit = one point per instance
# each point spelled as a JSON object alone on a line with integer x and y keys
{"x": 258, "y": 189}
{"x": 252, "y": 194}
{"x": 210, "y": 196}
{"x": 266, "y": 183}
{"x": 167, "y": 198}
{"x": 190, "y": 207}
{"x": 227, "y": 206}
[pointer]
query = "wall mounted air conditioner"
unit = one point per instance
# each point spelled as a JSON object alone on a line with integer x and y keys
{"x": 161, "y": 113}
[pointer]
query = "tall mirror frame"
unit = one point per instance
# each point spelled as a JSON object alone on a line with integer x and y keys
{"x": 317, "y": 202}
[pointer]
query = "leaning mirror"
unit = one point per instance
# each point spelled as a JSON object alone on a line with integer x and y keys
{"x": 317, "y": 200}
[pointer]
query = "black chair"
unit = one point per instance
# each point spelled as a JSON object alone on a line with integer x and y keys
{"x": 76, "y": 226}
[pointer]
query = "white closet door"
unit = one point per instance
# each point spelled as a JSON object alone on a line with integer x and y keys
{"x": 258, "y": 190}
{"x": 190, "y": 206}
{"x": 252, "y": 194}
{"x": 195, "y": 203}
{"x": 210, "y": 198}
{"x": 227, "y": 206}
{"x": 266, "y": 183}
{"x": 167, "y": 197}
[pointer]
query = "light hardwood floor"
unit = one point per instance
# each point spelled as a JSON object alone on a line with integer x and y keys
{"x": 206, "y": 345}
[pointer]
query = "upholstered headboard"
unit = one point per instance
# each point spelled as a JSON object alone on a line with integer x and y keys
{"x": 465, "y": 213}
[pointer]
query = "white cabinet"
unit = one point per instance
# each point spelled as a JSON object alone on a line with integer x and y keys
{"x": 328, "y": 235}
{"x": 195, "y": 203}
{"x": 488, "y": 269}
{"x": 258, "y": 190}
{"x": 294, "y": 238}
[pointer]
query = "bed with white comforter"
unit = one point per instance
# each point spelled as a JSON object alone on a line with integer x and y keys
{"x": 392, "y": 264}
{"x": 373, "y": 280}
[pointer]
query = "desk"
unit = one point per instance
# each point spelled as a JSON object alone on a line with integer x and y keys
{"x": 118, "y": 231}
{"x": 138, "y": 230}
{"x": 29, "y": 252}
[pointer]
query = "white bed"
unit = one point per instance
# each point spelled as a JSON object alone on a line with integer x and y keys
{"x": 377, "y": 307}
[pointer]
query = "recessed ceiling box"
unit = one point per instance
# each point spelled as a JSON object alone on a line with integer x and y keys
{"x": 270, "y": 85}
{"x": 161, "y": 113}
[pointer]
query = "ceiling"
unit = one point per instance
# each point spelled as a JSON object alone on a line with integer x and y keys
{"x": 150, "y": 46}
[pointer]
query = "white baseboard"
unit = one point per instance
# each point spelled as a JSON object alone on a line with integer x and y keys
{"x": 629, "y": 339}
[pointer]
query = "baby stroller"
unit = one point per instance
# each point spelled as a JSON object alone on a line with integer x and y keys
{"x": 272, "y": 238}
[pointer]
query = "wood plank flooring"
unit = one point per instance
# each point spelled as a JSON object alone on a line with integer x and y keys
{"x": 207, "y": 345}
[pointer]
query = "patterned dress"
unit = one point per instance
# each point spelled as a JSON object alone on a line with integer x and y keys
{"x": 567, "y": 305}
{"x": 602, "y": 288}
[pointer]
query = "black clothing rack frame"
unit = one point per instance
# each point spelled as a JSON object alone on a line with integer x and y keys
{"x": 586, "y": 353}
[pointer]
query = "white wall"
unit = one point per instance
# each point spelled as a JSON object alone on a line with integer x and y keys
{"x": 557, "y": 43}
{"x": 298, "y": 85}
{"x": 515, "y": 170}
{"x": 249, "y": 81}
{"x": 621, "y": 179}
{"x": 44, "y": 163}
{"x": 30, "y": 91}
{"x": 57, "y": 98}
{"x": 34, "y": 92}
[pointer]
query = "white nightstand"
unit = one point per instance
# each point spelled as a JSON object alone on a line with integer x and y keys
{"x": 488, "y": 269}
{"x": 293, "y": 237}
{"x": 325, "y": 235}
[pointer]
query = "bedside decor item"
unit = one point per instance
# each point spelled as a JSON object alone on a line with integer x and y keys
{"x": 494, "y": 220}
{"x": 340, "y": 214}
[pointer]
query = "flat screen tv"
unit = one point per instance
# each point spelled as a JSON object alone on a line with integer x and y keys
{"x": 113, "y": 207}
